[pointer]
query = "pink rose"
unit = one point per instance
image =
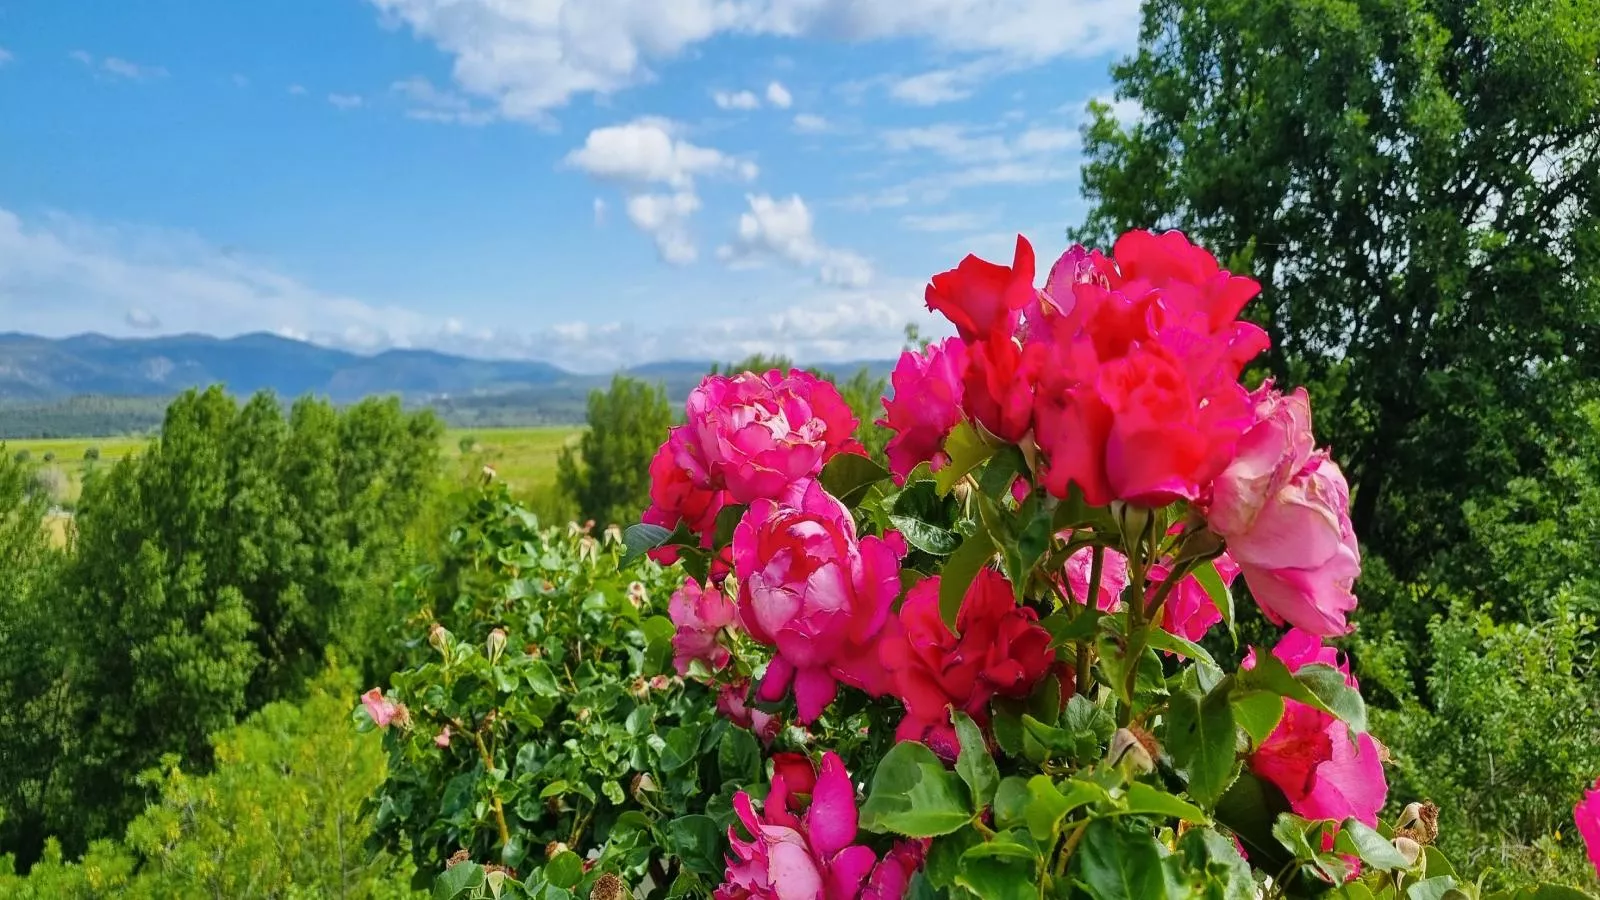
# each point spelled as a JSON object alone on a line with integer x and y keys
{"x": 891, "y": 877}
{"x": 1113, "y": 576}
{"x": 812, "y": 590}
{"x": 983, "y": 299}
{"x": 754, "y": 435}
{"x": 675, "y": 498}
{"x": 926, "y": 405}
{"x": 1001, "y": 650}
{"x": 381, "y": 709}
{"x": 1587, "y": 816}
{"x": 997, "y": 388}
{"x": 1311, "y": 756}
{"x": 442, "y": 739}
{"x": 809, "y": 856}
{"x": 733, "y": 704}
{"x": 1285, "y": 514}
{"x": 700, "y": 616}
{"x": 1189, "y": 611}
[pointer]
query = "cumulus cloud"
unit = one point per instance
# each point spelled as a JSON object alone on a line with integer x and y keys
{"x": 115, "y": 67}
{"x": 735, "y": 100}
{"x": 533, "y": 56}
{"x": 665, "y": 217}
{"x": 782, "y": 229}
{"x": 345, "y": 101}
{"x": 779, "y": 96}
{"x": 428, "y": 103}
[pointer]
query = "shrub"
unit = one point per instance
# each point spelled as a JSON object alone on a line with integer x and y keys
{"x": 91, "y": 454}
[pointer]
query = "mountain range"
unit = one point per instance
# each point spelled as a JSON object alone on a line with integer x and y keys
{"x": 49, "y": 375}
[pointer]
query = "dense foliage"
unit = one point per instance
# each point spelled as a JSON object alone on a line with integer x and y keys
{"x": 608, "y": 477}
{"x": 208, "y": 576}
{"x": 279, "y": 818}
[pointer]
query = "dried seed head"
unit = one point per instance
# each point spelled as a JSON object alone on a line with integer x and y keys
{"x": 1419, "y": 822}
{"x": 609, "y": 887}
{"x": 456, "y": 858}
{"x": 1409, "y": 849}
{"x": 1126, "y": 747}
{"x": 554, "y": 849}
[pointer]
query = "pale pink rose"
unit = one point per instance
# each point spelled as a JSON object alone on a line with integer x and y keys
{"x": 1323, "y": 770}
{"x": 754, "y": 435}
{"x": 733, "y": 704}
{"x": 1587, "y": 816}
{"x": 809, "y": 588}
{"x": 700, "y": 615}
{"x": 798, "y": 851}
{"x": 925, "y": 406}
{"x": 381, "y": 709}
{"x": 1268, "y": 456}
{"x": 442, "y": 739}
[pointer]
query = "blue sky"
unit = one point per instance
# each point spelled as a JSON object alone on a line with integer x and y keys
{"x": 592, "y": 182}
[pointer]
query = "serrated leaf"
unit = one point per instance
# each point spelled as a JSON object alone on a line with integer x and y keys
{"x": 698, "y": 843}
{"x": 1118, "y": 864}
{"x": 1206, "y": 573}
{"x": 1258, "y": 714}
{"x": 959, "y": 571}
{"x": 1431, "y": 888}
{"x": 974, "y": 764}
{"x": 1356, "y": 839}
{"x": 1203, "y": 741}
{"x": 564, "y": 870}
{"x": 966, "y": 450}
{"x": 1159, "y": 639}
{"x": 924, "y": 536}
{"x": 639, "y": 539}
{"x": 848, "y": 476}
{"x": 913, "y": 794}
{"x": 727, "y": 520}
{"x": 460, "y": 880}
{"x": 1145, "y": 800}
{"x": 1319, "y": 686}
{"x": 1048, "y": 804}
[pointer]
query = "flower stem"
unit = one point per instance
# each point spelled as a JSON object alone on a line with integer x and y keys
{"x": 1085, "y": 675}
{"x": 1073, "y": 840}
{"x": 499, "y": 810}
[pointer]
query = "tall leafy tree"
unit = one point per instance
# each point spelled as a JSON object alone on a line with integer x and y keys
{"x": 1417, "y": 184}
{"x": 608, "y": 478}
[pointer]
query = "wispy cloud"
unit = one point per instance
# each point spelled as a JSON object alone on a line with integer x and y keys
{"x": 345, "y": 101}
{"x": 428, "y": 103}
{"x": 112, "y": 67}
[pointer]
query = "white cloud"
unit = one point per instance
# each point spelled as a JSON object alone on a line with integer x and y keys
{"x": 930, "y": 88}
{"x": 984, "y": 156}
{"x": 779, "y": 96}
{"x": 599, "y": 211}
{"x": 665, "y": 217}
{"x": 648, "y": 151}
{"x": 142, "y": 319}
{"x": 431, "y": 104}
{"x": 297, "y": 90}
{"x": 345, "y": 101}
{"x": 735, "y": 100}
{"x": 808, "y": 123}
{"x": 1126, "y": 112}
{"x": 959, "y": 221}
{"x": 533, "y": 56}
{"x": 782, "y": 229}
{"x": 115, "y": 67}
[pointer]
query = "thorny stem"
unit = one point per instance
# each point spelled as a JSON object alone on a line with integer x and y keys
{"x": 499, "y": 810}
{"x": 1092, "y": 602}
{"x": 1073, "y": 840}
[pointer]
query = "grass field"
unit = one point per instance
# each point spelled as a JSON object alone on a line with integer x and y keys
{"x": 525, "y": 458}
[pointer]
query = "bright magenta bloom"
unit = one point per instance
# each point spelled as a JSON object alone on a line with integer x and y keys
{"x": 733, "y": 704}
{"x": 1587, "y": 816}
{"x": 926, "y": 405}
{"x": 984, "y": 299}
{"x": 1113, "y": 576}
{"x": 1284, "y": 511}
{"x": 1001, "y": 650}
{"x": 1189, "y": 611}
{"x": 756, "y": 434}
{"x": 381, "y": 709}
{"x": 809, "y": 588}
{"x": 700, "y": 616}
{"x": 795, "y": 851}
{"x": 891, "y": 877}
{"x": 676, "y": 498}
{"x": 1311, "y": 756}
{"x": 1138, "y": 398}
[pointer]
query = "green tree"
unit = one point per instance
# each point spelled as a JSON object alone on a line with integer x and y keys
{"x": 608, "y": 478}
{"x": 1417, "y": 185}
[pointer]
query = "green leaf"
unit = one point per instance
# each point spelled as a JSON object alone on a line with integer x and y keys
{"x": 849, "y": 475}
{"x": 913, "y": 794}
{"x": 1048, "y": 805}
{"x": 1224, "y": 874}
{"x": 1203, "y": 741}
{"x": 739, "y": 757}
{"x": 640, "y": 539}
{"x": 974, "y": 764}
{"x": 1120, "y": 864}
{"x": 1165, "y": 640}
{"x": 1144, "y": 800}
{"x": 565, "y": 870}
{"x": 1358, "y": 840}
{"x": 1011, "y": 802}
{"x": 924, "y": 536}
{"x": 458, "y": 881}
{"x": 1206, "y": 573}
{"x": 698, "y": 843}
{"x": 1074, "y": 623}
{"x": 959, "y": 571}
{"x": 1001, "y": 869}
{"x": 1258, "y": 713}
{"x": 1431, "y": 888}
{"x": 1320, "y": 686}
{"x": 727, "y": 520}
{"x": 682, "y": 747}
{"x": 966, "y": 450}
{"x": 541, "y": 679}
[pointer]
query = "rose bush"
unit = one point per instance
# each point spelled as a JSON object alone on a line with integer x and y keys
{"x": 978, "y": 673}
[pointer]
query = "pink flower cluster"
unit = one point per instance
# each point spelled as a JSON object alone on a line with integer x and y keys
{"x": 383, "y": 710}
{"x": 1124, "y": 370}
{"x": 1188, "y": 612}
{"x": 807, "y": 850}
{"x": 1323, "y": 770}
{"x": 1586, "y": 815}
